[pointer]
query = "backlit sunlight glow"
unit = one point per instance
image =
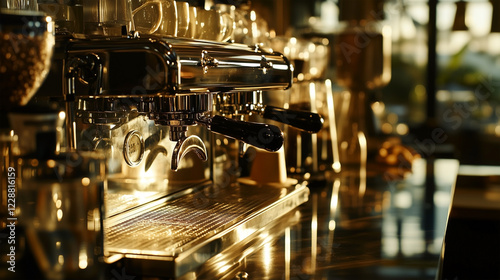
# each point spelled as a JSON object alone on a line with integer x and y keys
{"x": 83, "y": 259}
{"x": 334, "y": 202}
{"x": 287, "y": 253}
{"x": 267, "y": 252}
{"x": 333, "y": 127}
{"x": 364, "y": 157}
{"x": 224, "y": 269}
{"x": 478, "y": 17}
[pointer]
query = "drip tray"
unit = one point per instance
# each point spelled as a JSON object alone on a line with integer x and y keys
{"x": 178, "y": 233}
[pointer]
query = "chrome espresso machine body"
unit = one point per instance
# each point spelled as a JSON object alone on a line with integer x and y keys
{"x": 151, "y": 105}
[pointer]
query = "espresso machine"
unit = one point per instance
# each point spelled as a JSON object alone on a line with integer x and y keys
{"x": 161, "y": 178}
{"x": 168, "y": 118}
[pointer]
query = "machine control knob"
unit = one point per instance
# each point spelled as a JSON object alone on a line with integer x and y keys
{"x": 208, "y": 61}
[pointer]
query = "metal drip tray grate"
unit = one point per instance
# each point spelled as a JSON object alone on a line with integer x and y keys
{"x": 178, "y": 222}
{"x": 119, "y": 202}
{"x": 191, "y": 228}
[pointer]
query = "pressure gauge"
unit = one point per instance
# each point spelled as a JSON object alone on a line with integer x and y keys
{"x": 133, "y": 148}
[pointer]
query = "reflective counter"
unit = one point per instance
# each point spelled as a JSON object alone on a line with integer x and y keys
{"x": 392, "y": 227}
{"x": 389, "y": 225}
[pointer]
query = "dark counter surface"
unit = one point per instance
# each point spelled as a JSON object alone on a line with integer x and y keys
{"x": 392, "y": 227}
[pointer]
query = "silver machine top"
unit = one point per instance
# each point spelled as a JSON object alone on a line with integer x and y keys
{"x": 172, "y": 81}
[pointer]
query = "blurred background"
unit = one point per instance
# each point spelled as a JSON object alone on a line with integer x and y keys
{"x": 445, "y": 70}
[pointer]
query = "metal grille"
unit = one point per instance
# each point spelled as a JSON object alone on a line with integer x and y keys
{"x": 185, "y": 219}
{"x": 119, "y": 202}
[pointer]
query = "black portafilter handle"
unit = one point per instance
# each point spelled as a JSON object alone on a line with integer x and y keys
{"x": 303, "y": 120}
{"x": 264, "y": 136}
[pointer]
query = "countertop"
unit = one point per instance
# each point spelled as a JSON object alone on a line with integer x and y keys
{"x": 390, "y": 226}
